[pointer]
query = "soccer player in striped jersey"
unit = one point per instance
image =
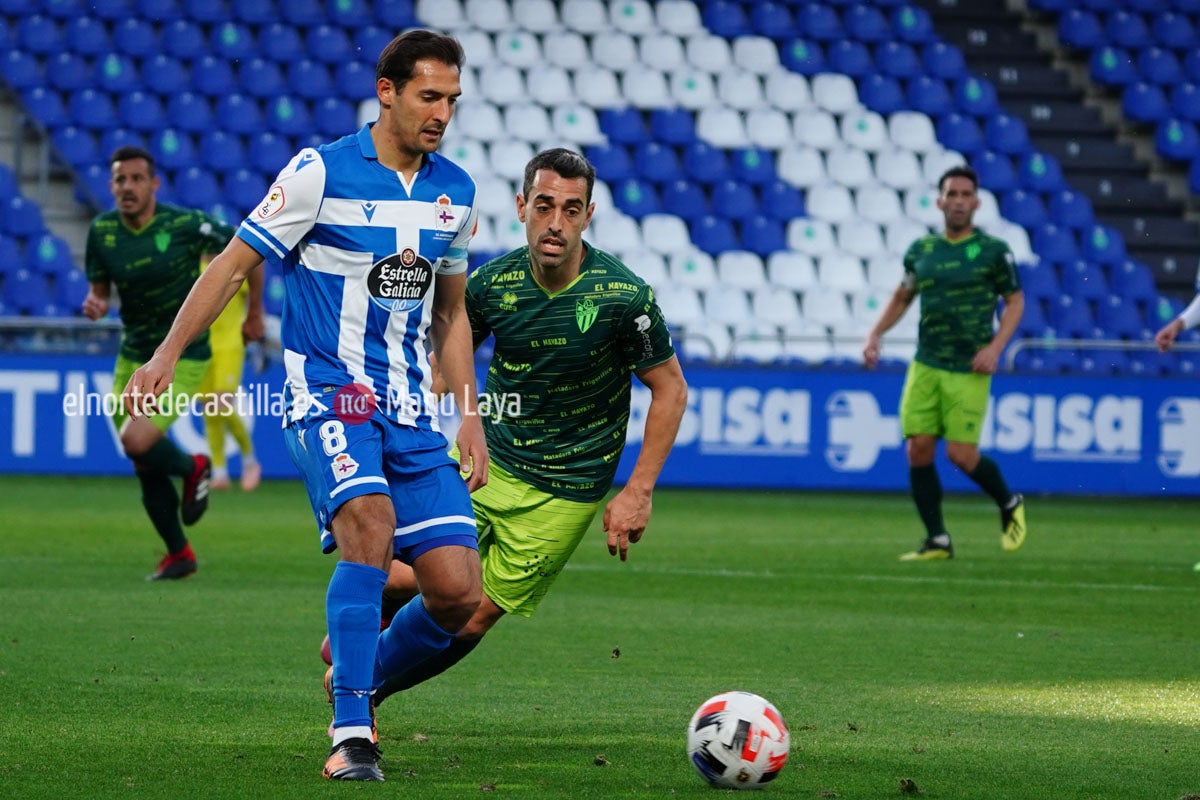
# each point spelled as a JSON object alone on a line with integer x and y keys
{"x": 959, "y": 274}
{"x": 572, "y": 324}
{"x": 371, "y": 232}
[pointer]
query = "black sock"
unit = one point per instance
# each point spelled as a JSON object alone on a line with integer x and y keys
{"x": 987, "y": 475}
{"x": 165, "y": 456}
{"x": 431, "y": 667}
{"x": 162, "y": 505}
{"x": 927, "y": 494}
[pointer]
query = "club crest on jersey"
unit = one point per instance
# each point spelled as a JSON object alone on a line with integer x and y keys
{"x": 272, "y": 204}
{"x": 343, "y": 466}
{"x": 162, "y": 240}
{"x": 585, "y": 313}
{"x": 443, "y": 215}
{"x": 400, "y": 281}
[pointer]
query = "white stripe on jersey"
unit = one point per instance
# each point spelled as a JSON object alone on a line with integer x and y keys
{"x": 353, "y": 267}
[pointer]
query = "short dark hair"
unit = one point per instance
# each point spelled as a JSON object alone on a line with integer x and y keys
{"x": 566, "y": 163}
{"x": 961, "y": 171}
{"x": 129, "y": 152}
{"x": 401, "y": 54}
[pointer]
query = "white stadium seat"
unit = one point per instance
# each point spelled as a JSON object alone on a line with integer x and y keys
{"x": 740, "y": 89}
{"x": 519, "y": 48}
{"x": 576, "y": 123}
{"x": 588, "y": 17}
{"x": 756, "y": 341}
{"x": 788, "y": 269}
{"x": 878, "y": 203}
{"x": 502, "y": 84}
{"x": 834, "y": 92}
{"x": 912, "y": 130}
{"x": 802, "y": 166}
{"x": 741, "y": 268}
{"x": 666, "y": 233}
{"x": 527, "y": 121}
{"x": 898, "y": 168}
{"x": 680, "y": 17}
{"x": 721, "y": 126}
{"x": 774, "y": 305}
{"x": 757, "y": 54}
{"x": 708, "y": 52}
{"x": 550, "y": 87}
{"x": 536, "y": 16}
{"x": 849, "y": 166}
{"x": 768, "y": 128}
{"x": 865, "y": 130}
{"x": 567, "y": 49}
{"x": 813, "y": 237}
{"x": 815, "y": 128}
{"x": 693, "y": 268}
{"x": 662, "y": 51}
{"x": 631, "y": 16}
{"x": 440, "y": 14}
{"x": 645, "y": 88}
{"x": 787, "y": 91}
{"x": 841, "y": 271}
{"x": 478, "y": 119}
{"x": 726, "y": 304}
{"x": 615, "y": 51}
{"x": 692, "y": 88}
{"x": 830, "y": 202}
{"x": 488, "y": 15}
{"x": 860, "y": 238}
{"x": 598, "y": 87}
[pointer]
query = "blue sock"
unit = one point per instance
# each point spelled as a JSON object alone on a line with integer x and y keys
{"x": 412, "y": 637}
{"x": 352, "y": 614}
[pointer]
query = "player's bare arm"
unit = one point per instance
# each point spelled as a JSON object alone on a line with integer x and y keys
{"x": 212, "y": 291}
{"x": 987, "y": 360}
{"x": 901, "y": 299}
{"x": 627, "y": 514}
{"x": 253, "y": 326}
{"x": 95, "y": 305}
{"x": 454, "y": 351}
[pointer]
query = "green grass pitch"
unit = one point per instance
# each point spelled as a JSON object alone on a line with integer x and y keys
{"x": 1069, "y": 670}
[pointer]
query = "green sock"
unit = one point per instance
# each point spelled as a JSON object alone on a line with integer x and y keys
{"x": 927, "y": 494}
{"x": 162, "y": 505}
{"x": 987, "y": 475}
{"x": 165, "y": 456}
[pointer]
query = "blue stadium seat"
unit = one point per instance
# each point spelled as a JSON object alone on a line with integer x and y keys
{"x": 763, "y": 235}
{"x": 163, "y": 10}
{"x": 930, "y": 96}
{"x": 960, "y": 132}
{"x": 112, "y": 10}
{"x": 1112, "y": 66}
{"x": 1127, "y": 29}
{"x": 21, "y": 218}
{"x": 773, "y": 20}
{"x": 1072, "y": 210}
{"x": 656, "y": 162}
{"x": 191, "y": 112}
{"x": 673, "y": 125}
{"x": 69, "y": 72}
{"x": 821, "y": 22}
{"x": 329, "y": 44}
{"x": 141, "y": 111}
{"x": 212, "y": 12}
{"x": 333, "y": 117}
{"x": 289, "y": 116}
{"x": 12, "y": 258}
{"x": 898, "y": 60}
{"x": 1102, "y": 362}
{"x": 882, "y": 94}
{"x": 213, "y": 76}
{"x": 165, "y": 75}
{"x": 87, "y": 36}
{"x": 92, "y": 189}
{"x": 46, "y": 106}
{"x": 849, "y": 57}
{"x": 1071, "y": 318}
{"x": 310, "y": 79}
{"x": 8, "y": 183}
{"x": 117, "y": 73}
{"x": 50, "y": 255}
{"x": 977, "y": 97}
{"x": 912, "y": 24}
{"x": 714, "y": 234}
{"x": 1194, "y": 177}
{"x": 623, "y": 125}
{"x": 1159, "y": 65}
{"x": 303, "y": 13}
{"x": 351, "y": 14}
{"x": 260, "y": 77}
{"x": 70, "y": 290}
{"x": 280, "y": 42}
{"x": 1174, "y": 30}
{"x": 1040, "y": 172}
{"x": 1177, "y": 140}
{"x": 184, "y": 39}
{"x": 244, "y": 189}
{"x": 1025, "y": 208}
{"x": 612, "y": 162}
{"x": 944, "y": 61}
{"x": 8, "y": 36}
{"x": 22, "y": 70}
{"x": 1005, "y": 133}
{"x": 996, "y": 171}
{"x": 396, "y": 14}
{"x": 173, "y": 149}
{"x": 684, "y": 199}
{"x": 734, "y": 199}
{"x": 77, "y": 145}
{"x": 39, "y": 34}
{"x": 637, "y": 198}
{"x": 136, "y": 37}
{"x": 268, "y": 151}
{"x": 1039, "y": 281}
{"x": 866, "y": 23}
{"x": 232, "y": 42}
{"x": 1144, "y": 102}
{"x": 1102, "y": 245}
{"x": 1185, "y": 101}
{"x": 1034, "y": 324}
{"x": 753, "y": 165}
{"x": 354, "y": 80}
{"x": 705, "y": 163}
{"x": 1055, "y": 244}
{"x": 113, "y": 138}
{"x": 369, "y": 42}
{"x": 803, "y": 56}
{"x": 1121, "y": 318}
{"x": 1081, "y": 30}
{"x": 221, "y": 151}
{"x": 239, "y": 113}
{"x": 27, "y": 293}
{"x": 781, "y": 201}
{"x": 197, "y": 188}
{"x": 1084, "y": 281}
{"x": 1133, "y": 280}
{"x": 261, "y": 12}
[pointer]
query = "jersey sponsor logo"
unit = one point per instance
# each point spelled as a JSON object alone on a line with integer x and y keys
{"x": 368, "y": 210}
{"x": 642, "y": 323}
{"x": 343, "y": 466}
{"x": 508, "y": 301}
{"x": 443, "y": 218}
{"x": 585, "y": 313}
{"x": 400, "y": 281}
{"x": 162, "y": 240}
{"x": 272, "y": 204}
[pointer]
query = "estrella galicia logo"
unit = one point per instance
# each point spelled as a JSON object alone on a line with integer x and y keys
{"x": 585, "y": 313}
{"x": 400, "y": 281}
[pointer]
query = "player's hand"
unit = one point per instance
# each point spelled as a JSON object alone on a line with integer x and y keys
{"x": 472, "y": 452}
{"x": 625, "y": 519}
{"x": 254, "y": 329}
{"x": 1165, "y": 338}
{"x": 871, "y": 351}
{"x": 145, "y": 385}
{"x": 986, "y": 361}
{"x": 94, "y": 306}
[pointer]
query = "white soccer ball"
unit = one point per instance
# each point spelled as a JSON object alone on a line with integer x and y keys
{"x": 738, "y": 740}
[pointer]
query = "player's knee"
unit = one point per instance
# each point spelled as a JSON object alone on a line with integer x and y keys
{"x": 965, "y": 457}
{"x": 453, "y": 609}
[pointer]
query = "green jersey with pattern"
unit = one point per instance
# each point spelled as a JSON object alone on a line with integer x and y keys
{"x": 153, "y": 269}
{"x": 958, "y": 283}
{"x": 558, "y": 385}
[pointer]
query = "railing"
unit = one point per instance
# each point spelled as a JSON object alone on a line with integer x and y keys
{"x": 1018, "y": 346}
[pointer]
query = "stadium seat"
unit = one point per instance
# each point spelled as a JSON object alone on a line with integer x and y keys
{"x": 1133, "y": 280}
{"x": 46, "y": 106}
{"x": 898, "y": 60}
{"x": 12, "y": 258}
{"x": 1103, "y": 245}
{"x": 1084, "y": 280}
{"x": 1072, "y": 209}
{"x": 22, "y": 218}
{"x": 684, "y": 199}
{"x": 623, "y": 125}
{"x": 714, "y": 234}
{"x": 221, "y": 151}
{"x": 87, "y": 36}
{"x": 791, "y": 270}
{"x": 929, "y": 95}
{"x": 913, "y": 131}
{"x": 260, "y": 77}
{"x": 1071, "y": 318}
{"x": 734, "y": 199}
{"x": 739, "y": 89}
{"x": 68, "y": 72}
{"x": 834, "y": 93}
{"x": 1112, "y": 66}
{"x": 665, "y": 234}
{"x": 996, "y": 171}
{"x": 1172, "y": 29}
{"x": 850, "y": 57}
{"x": 1081, "y": 30}
{"x": 692, "y": 89}
{"x": 773, "y": 20}
{"x": 820, "y": 21}
{"x": 636, "y": 198}
{"x": 725, "y": 18}
{"x": 165, "y": 75}
{"x": 310, "y": 79}
{"x": 960, "y": 132}
{"x": 763, "y": 235}
{"x": 1006, "y": 134}
{"x": 1122, "y": 319}
{"x": 240, "y": 114}
{"x": 1159, "y": 65}
{"x": 692, "y": 268}
{"x": 141, "y": 111}
{"x": 1040, "y": 172}
{"x": 943, "y": 61}
{"x": 567, "y": 49}
{"x": 1127, "y": 29}
{"x": 536, "y": 16}
{"x": 803, "y": 56}
{"x": 912, "y": 24}
{"x": 782, "y": 201}
{"x": 704, "y": 163}
{"x": 881, "y": 94}
{"x": 1055, "y": 244}
{"x": 1177, "y": 140}
{"x": 849, "y": 166}
{"x": 304, "y": 14}
{"x": 173, "y": 149}
{"x": 1144, "y": 102}
{"x": 22, "y": 70}
{"x": 39, "y": 34}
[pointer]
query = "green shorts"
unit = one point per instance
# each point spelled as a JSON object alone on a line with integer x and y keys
{"x": 937, "y": 402}
{"x": 189, "y": 375}
{"x": 526, "y": 537}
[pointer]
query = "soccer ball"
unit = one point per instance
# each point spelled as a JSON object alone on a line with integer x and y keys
{"x": 737, "y": 740}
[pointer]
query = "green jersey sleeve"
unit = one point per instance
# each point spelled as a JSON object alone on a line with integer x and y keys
{"x": 645, "y": 339}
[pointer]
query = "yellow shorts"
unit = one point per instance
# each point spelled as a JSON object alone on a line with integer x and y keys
{"x": 937, "y": 402}
{"x": 224, "y": 371}
{"x": 189, "y": 374}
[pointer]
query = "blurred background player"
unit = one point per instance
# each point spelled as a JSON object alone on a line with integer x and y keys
{"x": 151, "y": 253}
{"x": 959, "y": 274}
{"x": 240, "y": 323}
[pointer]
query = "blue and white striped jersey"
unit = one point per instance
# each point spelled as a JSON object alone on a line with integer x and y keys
{"x": 360, "y": 247}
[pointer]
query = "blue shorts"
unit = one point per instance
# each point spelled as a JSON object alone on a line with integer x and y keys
{"x": 340, "y": 461}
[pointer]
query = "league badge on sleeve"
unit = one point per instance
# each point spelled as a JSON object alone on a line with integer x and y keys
{"x": 272, "y": 204}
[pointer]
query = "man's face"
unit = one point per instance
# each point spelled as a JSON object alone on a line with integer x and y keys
{"x": 416, "y": 117}
{"x": 133, "y": 187}
{"x": 556, "y": 213}
{"x": 958, "y": 201}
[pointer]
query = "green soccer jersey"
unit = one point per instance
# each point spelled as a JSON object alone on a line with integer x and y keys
{"x": 153, "y": 269}
{"x": 558, "y": 385}
{"x": 958, "y": 283}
